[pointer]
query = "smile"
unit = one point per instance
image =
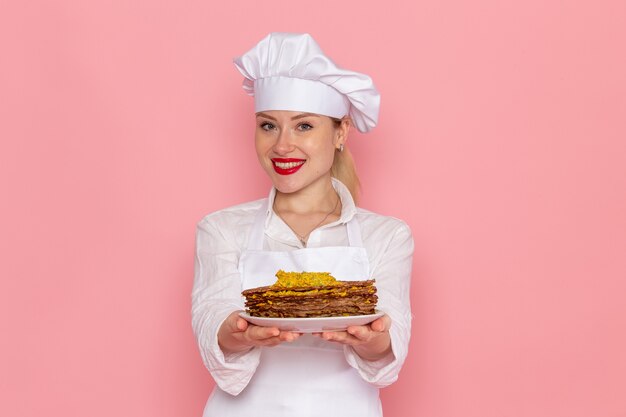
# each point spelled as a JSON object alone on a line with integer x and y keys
{"x": 287, "y": 166}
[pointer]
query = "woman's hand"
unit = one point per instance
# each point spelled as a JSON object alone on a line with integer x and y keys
{"x": 370, "y": 342}
{"x": 237, "y": 335}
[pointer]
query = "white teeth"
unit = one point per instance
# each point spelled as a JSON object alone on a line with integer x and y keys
{"x": 287, "y": 165}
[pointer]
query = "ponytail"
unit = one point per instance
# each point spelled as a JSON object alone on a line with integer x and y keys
{"x": 345, "y": 171}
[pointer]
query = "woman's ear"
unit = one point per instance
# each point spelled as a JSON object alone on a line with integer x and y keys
{"x": 342, "y": 131}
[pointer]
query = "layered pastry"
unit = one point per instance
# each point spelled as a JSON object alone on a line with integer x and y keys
{"x": 311, "y": 294}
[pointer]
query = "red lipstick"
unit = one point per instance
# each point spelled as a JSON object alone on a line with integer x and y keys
{"x": 287, "y": 166}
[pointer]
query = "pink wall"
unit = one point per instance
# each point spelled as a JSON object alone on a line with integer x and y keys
{"x": 502, "y": 142}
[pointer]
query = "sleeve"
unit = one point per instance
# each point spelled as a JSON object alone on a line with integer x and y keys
{"x": 393, "y": 282}
{"x": 217, "y": 293}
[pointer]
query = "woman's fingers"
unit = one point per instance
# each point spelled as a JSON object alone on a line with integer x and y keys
{"x": 356, "y": 335}
{"x": 341, "y": 337}
{"x": 241, "y": 324}
{"x": 272, "y": 336}
{"x": 281, "y": 338}
{"x": 288, "y": 336}
{"x": 234, "y": 323}
{"x": 382, "y": 324}
{"x": 268, "y": 336}
{"x": 362, "y": 333}
{"x": 260, "y": 332}
{"x": 378, "y": 325}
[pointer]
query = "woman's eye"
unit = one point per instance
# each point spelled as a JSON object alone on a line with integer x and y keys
{"x": 267, "y": 126}
{"x": 305, "y": 126}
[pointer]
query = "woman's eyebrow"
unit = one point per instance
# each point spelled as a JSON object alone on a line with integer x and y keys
{"x": 298, "y": 116}
{"x": 267, "y": 116}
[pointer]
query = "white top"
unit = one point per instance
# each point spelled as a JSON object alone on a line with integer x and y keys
{"x": 223, "y": 235}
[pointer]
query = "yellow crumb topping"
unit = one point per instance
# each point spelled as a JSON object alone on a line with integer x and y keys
{"x": 303, "y": 279}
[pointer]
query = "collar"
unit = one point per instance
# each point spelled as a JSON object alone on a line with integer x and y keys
{"x": 348, "y": 208}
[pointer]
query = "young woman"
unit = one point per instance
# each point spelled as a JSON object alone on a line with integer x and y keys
{"x": 305, "y": 106}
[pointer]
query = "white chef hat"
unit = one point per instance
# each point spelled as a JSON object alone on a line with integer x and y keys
{"x": 289, "y": 71}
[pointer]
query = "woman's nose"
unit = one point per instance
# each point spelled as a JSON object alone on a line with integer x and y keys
{"x": 283, "y": 143}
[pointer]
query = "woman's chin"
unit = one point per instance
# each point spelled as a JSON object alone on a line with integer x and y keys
{"x": 291, "y": 184}
{"x": 286, "y": 188}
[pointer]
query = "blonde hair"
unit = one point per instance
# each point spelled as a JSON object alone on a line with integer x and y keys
{"x": 344, "y": 169}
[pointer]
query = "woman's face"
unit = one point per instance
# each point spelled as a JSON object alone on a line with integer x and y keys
{"x": 296, "y": 149}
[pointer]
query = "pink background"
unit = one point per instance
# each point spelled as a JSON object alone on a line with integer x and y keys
{"x": 502, "y": 142}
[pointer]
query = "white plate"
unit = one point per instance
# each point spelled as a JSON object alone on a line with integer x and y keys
{"x": 312, "y": 324}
